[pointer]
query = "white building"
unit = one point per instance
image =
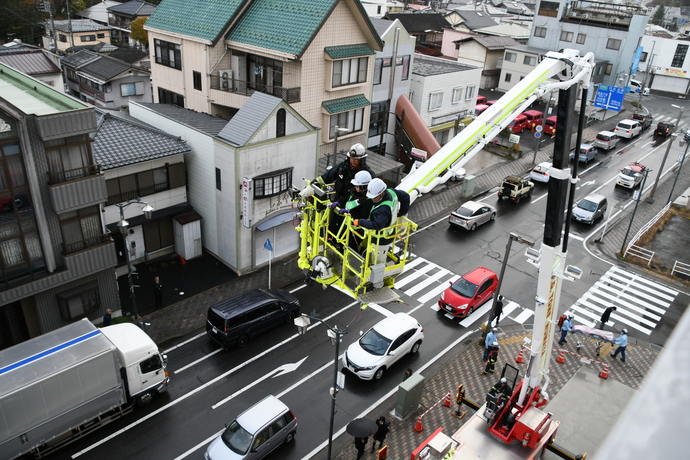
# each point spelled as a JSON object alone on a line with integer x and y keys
{"x": 668, "y": 64}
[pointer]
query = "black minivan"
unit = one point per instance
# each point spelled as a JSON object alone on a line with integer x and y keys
{"x": 240, "y": 318}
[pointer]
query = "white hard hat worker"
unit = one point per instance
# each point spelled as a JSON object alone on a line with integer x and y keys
{"x": 357, "y": 151}
{"x": 361, "y": 179}
{"x": 376, "y": 188}
{"x": 494, "y": 330}
{"x": 571, "y": 316}
{"x": 503, "y": 380}
{"x": 624, "y": 331}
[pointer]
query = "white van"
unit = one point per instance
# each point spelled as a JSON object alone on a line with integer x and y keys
{"x": 635, "y": 86}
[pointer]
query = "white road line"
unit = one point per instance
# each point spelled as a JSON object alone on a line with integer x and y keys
{"x": 199, "y": 446}
{"x": 378, "y": 308}
{"x": 659, "y": 287}
{"x": 415, "y": 275}
{"x": 508, "y": 308}
{"x": 198, "y": 336}
{"x": 430, "y": 280}
{"x": 478, "y": 315}
{"x": 524, "y": 316}
{"x": 414, "y": 262}
{"x": 435, "y": 293}
{"x": 194, "y": 363}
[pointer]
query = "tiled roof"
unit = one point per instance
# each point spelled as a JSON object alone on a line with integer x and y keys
{"x": 475, "y": 20}
{"x": 249, "y": 118}
{"x": 381, "y": 25}
{"x": 134, "y": 8}
{"x": 79, "y": 58}
{"x": 348, "y": 51}
{"x": 287, "y": 26}
{"x": 78, "y": 25}
{"x": 426, "y": 67}
{"x": 102, "y": 67}
{"x": 491, "y": 42}
{"x": 204, "y": 19}
{"x": 120, "y": 142}
{"x": 420, "y": 23}
{"x": 202, "y": 122}
{"x": 31, "y": 63}
{"x": 130, "y": 55}
{"x": 345, "y": 103}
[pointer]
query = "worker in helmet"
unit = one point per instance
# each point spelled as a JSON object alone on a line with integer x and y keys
{"x": 567, "y": 327}
{"x": 622, "y": 343}
{"x": 491, "y": 361}
{"x": 358, "y": 205}
{"x": 488, "y": 341}
{"x": 501, "y": 387}
{"x": 342, "y": 174}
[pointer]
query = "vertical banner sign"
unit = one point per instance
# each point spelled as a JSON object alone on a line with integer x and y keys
{"x": 636, "y": 60}
{"x": 246, "y": 202}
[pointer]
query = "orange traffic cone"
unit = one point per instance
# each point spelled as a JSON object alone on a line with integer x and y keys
{"x": 605, "y": 373}
{"x": 446, "y": 400}
{"x": 182, "y": 261}
{"x": 561, "y": 358}
{"x": 520, "y": 358}
{"x": 418, "y": 426}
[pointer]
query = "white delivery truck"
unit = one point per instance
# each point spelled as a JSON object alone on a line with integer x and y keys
{"x": 59, "y": 386}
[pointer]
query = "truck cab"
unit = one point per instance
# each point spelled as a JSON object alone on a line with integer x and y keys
{"x": 518, "y": 123}
{"x": 550, "y": 125}
{"x": 533, "y": 118}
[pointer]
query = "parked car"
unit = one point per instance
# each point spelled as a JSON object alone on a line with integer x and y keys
{"x": 540, "y": 173}
{"x": 514, "y": 188}
{"x": 663, "y": 130}
{"x": 686, "y": 136}
{"x": 635, "y": 86}
{"x": 256, "y": 432}
{"x": 550, "y": 126}
{"x": 588, "y": 152}
{"x": 532, "y": 119}
{"x": 606, "y": 140}
{"x": 490, "y": 103}
{"x": 234, "y": 321}
{"x": 469, "y": 292}
{"x": 480, "y": 108}
{"x": 631, "y": 176}
{"x": 589, "y": 209}
{"x": 381, "y": 346}
{"x": 645, "y": 119}
{"x": 472, "y": 214}
{"x": 518, "y": 124}
{"x": 481, "y": 99}
{"x": 628, "y": 128}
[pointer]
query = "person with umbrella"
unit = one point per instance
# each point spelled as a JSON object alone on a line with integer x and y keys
{"x": 380, "y": 435}
{"x": 361, "y": 429}
{"x": 360, "y": 444}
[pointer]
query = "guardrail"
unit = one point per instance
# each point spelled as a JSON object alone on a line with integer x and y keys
{"x": 682, "y": 268}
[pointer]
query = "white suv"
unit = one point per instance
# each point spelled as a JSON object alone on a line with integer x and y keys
{"x": 628, "y": 128}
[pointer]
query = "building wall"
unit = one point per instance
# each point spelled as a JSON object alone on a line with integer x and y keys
{"x": 472, "y": 53}
{"x": 661, "y": 76}
{"x": 168, "y": 77}
{"x": 62, "y": 46}
{"x": 517, "y": 69}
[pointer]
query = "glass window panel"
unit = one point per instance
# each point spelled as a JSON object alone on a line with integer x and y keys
{"x": 346, "y": 72}
{"x": 12, "y": 253}
{"x": 337, "y": 70}
{"x": 363, "y": 64}
{"x": 354, "y": 70}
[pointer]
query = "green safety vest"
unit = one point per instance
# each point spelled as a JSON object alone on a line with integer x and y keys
{"x": 392, "y": 203}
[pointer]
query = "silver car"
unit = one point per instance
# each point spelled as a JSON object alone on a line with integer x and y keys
{"x": 471, "y": 215}
{"x": 606, "y": 140}
{"x": 589, "y": 209}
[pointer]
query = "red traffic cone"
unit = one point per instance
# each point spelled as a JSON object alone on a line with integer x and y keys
{"x": 182, "y": 261}
{"x": 561, "y": 358}
{"x": 605, "y": 373}
{"x": 418, "y": 426}
{"x": 520, "y": 358}
{"x": 446, "y": 400}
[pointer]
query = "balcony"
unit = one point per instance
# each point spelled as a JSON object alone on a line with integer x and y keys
{"x": 71, "y": 248}
{"x": 289, "y": 95}
{"x": 78, "y": 188}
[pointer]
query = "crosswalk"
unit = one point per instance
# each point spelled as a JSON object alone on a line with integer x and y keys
{"x": 669, "y": 118}
{"x": 640, "y": 302}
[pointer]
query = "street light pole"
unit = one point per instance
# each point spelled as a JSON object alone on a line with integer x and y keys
{"x": 335, "y": 335}
{"x": 338, "y": 130}
{"x": 650, "y": 198}
{"x": 637, "y": 202}
{"x": 687, "y": 144}
{"x": 123, "y": 224}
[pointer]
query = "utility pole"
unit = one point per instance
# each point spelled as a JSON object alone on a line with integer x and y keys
{"x": 637, "y": 202}
{"x": 650, "y": 198}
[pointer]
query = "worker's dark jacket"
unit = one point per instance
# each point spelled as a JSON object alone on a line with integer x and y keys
{"x": 342, "y": 176}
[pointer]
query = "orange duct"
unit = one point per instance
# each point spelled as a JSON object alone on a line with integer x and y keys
{"x": 415, "y": 128}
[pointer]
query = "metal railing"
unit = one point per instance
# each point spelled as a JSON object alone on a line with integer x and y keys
{"x": 85, "y": 243}
{"x": 640, "y": 253}
{"x": 65, "y": 176}
{"x": 681, "y": 268}
{"x": 144, "y": 191}
{"x": 289, "y": 95}
{"x": 647, "y": 226}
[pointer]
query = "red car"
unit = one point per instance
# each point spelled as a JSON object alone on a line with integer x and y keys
{"x": 469, "y": 292}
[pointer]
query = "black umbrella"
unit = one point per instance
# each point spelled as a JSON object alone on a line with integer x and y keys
{"x": 361, "y": 428}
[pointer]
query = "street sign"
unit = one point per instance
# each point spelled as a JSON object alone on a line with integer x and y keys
{"x": 539, "y": 128}
{"x": 514, "y": 138}
{"x": 537, "y": 134}
{"x": 268, "y": 246}
{"x": 609, "y": 97}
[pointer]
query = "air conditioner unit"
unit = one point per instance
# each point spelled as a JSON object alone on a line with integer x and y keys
{"x": 226, "y": 82}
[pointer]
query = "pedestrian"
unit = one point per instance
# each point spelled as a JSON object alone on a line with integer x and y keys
{"x": 108, "y": 318}
{"x": 622, "y": 343}
{"x": 488, "y": 341}
{"x": 491, "y": 361}
{"x": 606, "y": 315}
{"x": 499, "y": 309}
{"x": 565, "y": 328}
{"x": 158, "y": 292}
{"x": 380, "y": 435}
{"x": 360, "y": 444}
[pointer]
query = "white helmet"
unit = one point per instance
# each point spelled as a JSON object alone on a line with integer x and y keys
{"x": 495, "y": 344}
{"x": 362, "y": 178}
{"x": 376, "y": 187}
{"x": 494, "y": 329}
{"x": 503, "y": 380}
{"x": 571, "y": 316}
{"x": 357, "y": 151}
{"x": 624, "y": 331}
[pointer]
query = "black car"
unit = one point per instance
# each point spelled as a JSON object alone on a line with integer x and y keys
{"x": 234, "y": 321}
{"x": 644, "y": 119}
{"x": 663, "y": 130}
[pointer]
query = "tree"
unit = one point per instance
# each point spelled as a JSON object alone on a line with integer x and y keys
{"x": 658, "y": 18}
{"x": 138, "y": 32}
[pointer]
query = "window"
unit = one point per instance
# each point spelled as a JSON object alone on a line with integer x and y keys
{"x": 469, "y": 93}
{"x": 530, "y": 60}
{"x": 145, "y": 183}
{"x": 643, "y": 56}
{"x": 168, "y": 97}
{"x": 456, "y": 96}
{"x": 406, "y": 67}
{"x": 378, "y": 70}
{"x": 62, "y": 38}
{"x": 272, "y": 184}
{"x": 81, "y": 229}
{"x": 511, "y": 57}
{"x": 352, "y": 121}
{"x": 435, "y": 100}
{"x": 218, "y": 179}
{"x": 79, "y": 302}
{"x": 377, "y": 117}
{"x": 580, "y": 39}
{"x": 168, "y": 54}
{"x": 540, "y": 32}
{"x": 350, "y": 71}
{"x": 442, "y": 136}
{"x": 196, "y": 76}
{"x": 508, "y": 77}
{"x": 566, "y": 36}
{"x": 88, "y": 38}
{"x": 679, "y": 56}
{"x": 100, "y": 35}
{"x": 609, "y": 69}
{"x": 152, "y": 364}
{"x": 613, "y": 44}
{"x": 128, "y": 89}
{"x": 69, "y": 158}
{"x": 280, "y": 122}
{"x": 548, "y": 9}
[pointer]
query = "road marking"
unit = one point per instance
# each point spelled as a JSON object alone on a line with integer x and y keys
{"x": 430, "y": 280}
{"x": 435, "y": 293}
{"x": 415, "y": 274}
{"x": 524, "y": 316}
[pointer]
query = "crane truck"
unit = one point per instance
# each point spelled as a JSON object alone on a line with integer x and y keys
{"x": 62, "y": 385}
{"x": 330, "y": 258}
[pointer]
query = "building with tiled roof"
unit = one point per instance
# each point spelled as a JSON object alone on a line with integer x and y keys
{"x": 485, "y": 52}
{"x": 120, "y": 19}
{"x": 472, "y": 20}
{"x": 302, "y": 51}
{"x": 427, "y": 28}
{"x": 240, "y": 174}
{"x": 75, "y": 32}
{"x": 35, "y": 62}
{"x": 105, "y": 81}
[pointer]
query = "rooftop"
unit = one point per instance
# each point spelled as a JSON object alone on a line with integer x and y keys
{"x": 209, "y": 20}
{"x": 427, "y": 66}
{"x": 251, "y": 116}
{"x": 78, "y": 25}
{"x": 30, "y": 62}
{"x": 202, "y": 122}
{"x": 420, "y": 23}
{"x": 134, "y": 8}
